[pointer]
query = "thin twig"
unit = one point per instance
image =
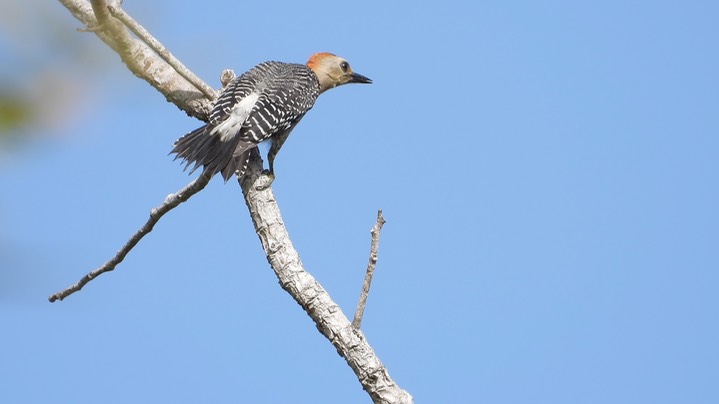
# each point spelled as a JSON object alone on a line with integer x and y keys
{"x": 160, "y": 49}
{"x": 373, "y": 250}
{"x": 171, "y": 202}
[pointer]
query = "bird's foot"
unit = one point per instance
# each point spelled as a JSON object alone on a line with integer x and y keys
{"x": 266, "y": 180}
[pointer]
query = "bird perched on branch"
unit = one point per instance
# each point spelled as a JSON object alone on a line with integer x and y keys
{"x": 265, "y": 103}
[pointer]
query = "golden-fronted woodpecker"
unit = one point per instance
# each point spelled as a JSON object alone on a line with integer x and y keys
{"x": 265, "y": 103}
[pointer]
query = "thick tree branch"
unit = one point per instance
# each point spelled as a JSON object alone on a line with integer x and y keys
{"x": 140, "y": 58}
{"x": 349, "y": 341}
{"x": 160, "y": 49}
{"x": 373, "y": 251}
{"x": 171, "y": 202}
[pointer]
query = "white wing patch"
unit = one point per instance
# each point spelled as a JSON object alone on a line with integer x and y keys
{"x": 230, "y": 127}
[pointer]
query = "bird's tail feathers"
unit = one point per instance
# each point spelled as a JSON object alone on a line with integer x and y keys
{"x": 237, "y": 164}
{"x": 200, "y": 148}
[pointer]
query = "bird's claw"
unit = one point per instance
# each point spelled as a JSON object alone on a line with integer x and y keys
{"x": 268, "y": 178}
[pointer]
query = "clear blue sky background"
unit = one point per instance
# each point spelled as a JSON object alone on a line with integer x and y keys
{"x": 548, "y": 172}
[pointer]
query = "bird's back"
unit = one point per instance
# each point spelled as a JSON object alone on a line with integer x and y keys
{"x": 291, "y": 88}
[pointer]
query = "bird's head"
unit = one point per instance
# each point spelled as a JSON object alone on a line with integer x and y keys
{"x": 333, "y": 71}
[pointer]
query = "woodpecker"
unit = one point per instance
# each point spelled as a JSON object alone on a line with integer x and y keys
{"x": 265, "y": 103}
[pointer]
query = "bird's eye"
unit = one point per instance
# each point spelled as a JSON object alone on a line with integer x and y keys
{"x": 344, "y": 66}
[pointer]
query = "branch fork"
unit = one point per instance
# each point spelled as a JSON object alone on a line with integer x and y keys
{"x": 152, "y": 62}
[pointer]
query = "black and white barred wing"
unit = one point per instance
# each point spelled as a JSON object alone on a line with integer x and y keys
{"x": 212, "y": 146}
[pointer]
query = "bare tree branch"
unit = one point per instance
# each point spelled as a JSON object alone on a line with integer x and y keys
{"x": 172, "y": 201}
{"x": 146, "y": 62}
{"x": 140, "y": 58}
{"x": 373, "y": 251}
{"x": 350, "y": 342}
{"x": 160, "y": 49}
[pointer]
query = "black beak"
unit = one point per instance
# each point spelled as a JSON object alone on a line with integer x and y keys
{"x": 358, "y": 78}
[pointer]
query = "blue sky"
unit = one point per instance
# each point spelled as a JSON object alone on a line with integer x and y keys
{"x": 548, "y": 172}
